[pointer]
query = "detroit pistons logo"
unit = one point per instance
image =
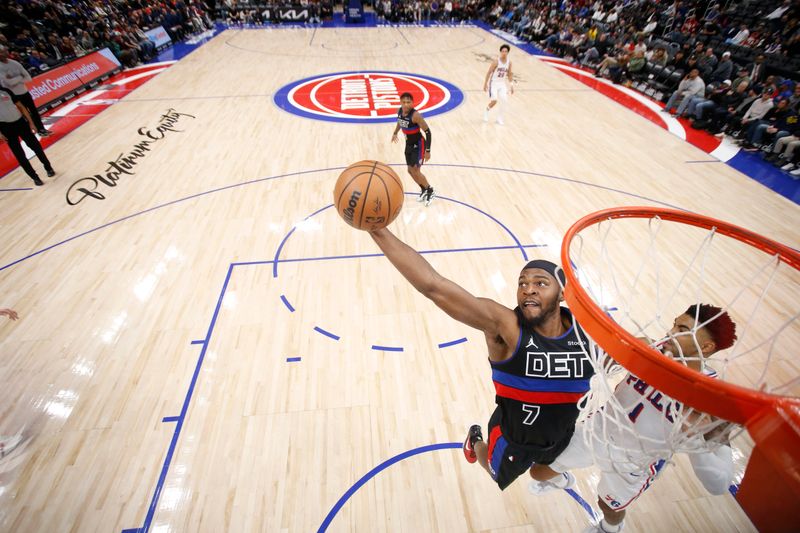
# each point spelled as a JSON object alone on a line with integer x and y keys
{"x": 366, "y": 96}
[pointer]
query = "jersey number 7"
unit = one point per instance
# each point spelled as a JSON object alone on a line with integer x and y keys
{"x": 533, "y": 413}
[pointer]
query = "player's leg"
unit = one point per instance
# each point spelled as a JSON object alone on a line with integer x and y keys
{"x": 612, "y": 520}
{"x": 492, "y": 102}
{"x": 553, "y": 473}
{"x": 502, "y": 96}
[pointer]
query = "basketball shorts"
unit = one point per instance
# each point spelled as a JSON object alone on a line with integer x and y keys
{"x": 508, "y": 461}
{"x": 618, "y": 490}
{"x": 498, "y": 90}
{"x": 415, "y": 153}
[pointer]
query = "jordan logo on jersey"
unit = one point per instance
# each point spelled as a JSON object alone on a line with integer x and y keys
{"x": 531, "y": 343}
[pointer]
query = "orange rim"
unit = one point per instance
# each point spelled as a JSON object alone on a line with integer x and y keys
{"x": 716, "y": 397}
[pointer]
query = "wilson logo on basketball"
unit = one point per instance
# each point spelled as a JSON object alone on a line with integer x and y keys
{"x": 372, "y": 96}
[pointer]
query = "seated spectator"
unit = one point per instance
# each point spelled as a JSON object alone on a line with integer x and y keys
{"x": 725, "y": 106}
{"x": 782, "y": 153}
{"x": 722, "y": 72}
{"x": 773, "y": 120}
{"x": 659, "y": 56}
{"x": 755, "y": 113}
{"x": 598, "y": 51}
{"x": 740, "y": 36}
{"x": 698, "y": 104}
{"x": 636, "y": 64}
{"x": 707, "y": 63}
{"x": 742, "y": 77}
{"x": 691, "y": 85}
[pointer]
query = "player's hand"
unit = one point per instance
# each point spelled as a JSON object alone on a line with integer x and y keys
{"x": 394, "y": 138}
{"x": 427, "y": 156}
{"x": 511, "y": 88}
{"x": 485, "y": 89}
{"x": 10, "y": 313}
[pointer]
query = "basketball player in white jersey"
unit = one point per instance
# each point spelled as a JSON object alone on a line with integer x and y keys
{"x": 651, "y": 415}
{"x": 498, "y": 83}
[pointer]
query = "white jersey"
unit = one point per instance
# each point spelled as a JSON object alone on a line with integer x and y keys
{"x": 500, "y": 74}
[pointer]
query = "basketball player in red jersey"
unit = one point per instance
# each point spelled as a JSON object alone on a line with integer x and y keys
{"x": 418, "y": 150}
{"x": 539, "y": 366}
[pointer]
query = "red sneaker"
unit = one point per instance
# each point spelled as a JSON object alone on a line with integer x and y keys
{"x": 473, "y": 435}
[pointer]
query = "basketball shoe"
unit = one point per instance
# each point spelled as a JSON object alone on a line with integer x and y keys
{"x": 473, "y": 435}
{"x": 602, "y": 527}
{"x": 429, "y": 196}
{"x": 563, "y": 482}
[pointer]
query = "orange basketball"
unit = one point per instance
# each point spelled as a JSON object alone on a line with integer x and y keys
{"x": 368, "y": 195}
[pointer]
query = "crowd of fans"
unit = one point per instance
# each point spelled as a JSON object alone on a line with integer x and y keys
{"x": 41, "y": 34}
{"x": 726, "y": 70}
{"x": 268, "y": 11}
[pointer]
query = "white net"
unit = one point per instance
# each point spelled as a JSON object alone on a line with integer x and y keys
{"x": 645, "y": 273}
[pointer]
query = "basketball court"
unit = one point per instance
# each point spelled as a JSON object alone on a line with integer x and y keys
{"x": 204, "y": 345}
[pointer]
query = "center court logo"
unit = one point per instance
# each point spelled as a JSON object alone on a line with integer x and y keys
{"x": 366, "y": 96}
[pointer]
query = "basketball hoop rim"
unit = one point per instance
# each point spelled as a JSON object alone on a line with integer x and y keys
{"x": 716, "y": 397}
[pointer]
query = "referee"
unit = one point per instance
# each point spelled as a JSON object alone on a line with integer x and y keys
{"x": 14, "y": 76}
{"x": 16, "y": 124}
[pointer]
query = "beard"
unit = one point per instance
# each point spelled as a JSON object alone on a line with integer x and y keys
{"x": 546, "y": 313}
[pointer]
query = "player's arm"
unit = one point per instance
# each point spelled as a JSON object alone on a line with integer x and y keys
{"x": 24, "y": 111}
{"x": 396, "y": 129}
{"x": 714, "y": 469}
{"x": 510, "y": 76}
{"x": 489, "y": 75}
{"x": 419, "y": 121}
{"x": 480, "y": 313}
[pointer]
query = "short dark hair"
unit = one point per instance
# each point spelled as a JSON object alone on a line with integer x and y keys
{"x": 407, "y": 95}
{"x": 717, "y": 322}
{"x": 505, "y": 46}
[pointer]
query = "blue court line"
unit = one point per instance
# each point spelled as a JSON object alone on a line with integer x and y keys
{"x": 285, "y": 302}
{"x": 20, "y": 189}
{"x": 293, "y": 359}
{"x": 184, "y": 409}
{"x": 733, "y": 489}
{"x": 403, "y": 35}
{"x": 519, "y": 246}
{"x": 300, "y": 173}
{"x": 170, "y": 419}
{"x": 198, "y": 342}
{"x": 134, "y": 530}
{"x": 327, "y": 333}
{"x": 378, "y": 254}
{"x": 377, "y": 470}
{"x": 453, "y": 343}
{"x": 313, "y": 34}
{"x": 583, "y": 503}
{"x": 379, "y": 348}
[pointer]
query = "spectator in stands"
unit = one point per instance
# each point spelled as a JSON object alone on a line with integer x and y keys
{"x": 680, "y": 61}
{"x": 781, "y": 124}
{"x": 13, "y": 77}
{"x": 742, "y": 77}
{"x": 722, "y": 72}
{"x": 698, "y": 104}
{"x": 53, "y": 54}
{"x": 756, "y": 129}
{"x": 599, "y": 51}
{"x": 779, "y": 11}
{"x": 724, "y": 107}
{"x": 755, "y": 112}
{"x": 691, "y": 85}
{"x": 784, "y": 148}
{"x": 757, "y": 70}
{"x": 707, "y": 63}
{"x": 740, "y": 37}
{"x": 659, "y": 56}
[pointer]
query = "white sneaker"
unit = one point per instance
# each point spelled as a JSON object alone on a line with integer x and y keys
{"x": 795, "y": 172}
{"x": 787, "y": 166}
{"x": 597, "y": 528}
{"x": 486, "y": 115}
{"x": 429, "y": 196}
{"x": 421, "y": 197}
{"x": 563, "y": 482}
{"x": 500, "y": 121}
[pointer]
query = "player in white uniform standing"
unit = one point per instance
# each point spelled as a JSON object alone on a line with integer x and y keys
{"x": 652, "y": 416}
{"x": 498, "y": 83}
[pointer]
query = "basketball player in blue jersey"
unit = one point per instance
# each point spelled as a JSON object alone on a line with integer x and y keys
{"x": 418, "y": 150}
{"x": 539, "y": 367}
{"x": 498, "y": 83}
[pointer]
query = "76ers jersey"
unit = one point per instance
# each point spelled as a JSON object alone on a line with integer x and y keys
{"x": 500, "y": 74}
{"x": 651, "y": 414}
{"x": 538, "y": 388}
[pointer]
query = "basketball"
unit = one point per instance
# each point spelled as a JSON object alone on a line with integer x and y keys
{"x": 368, "y": 195}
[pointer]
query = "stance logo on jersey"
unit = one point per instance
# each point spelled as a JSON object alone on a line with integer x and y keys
{"x": 370, "y": 96}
